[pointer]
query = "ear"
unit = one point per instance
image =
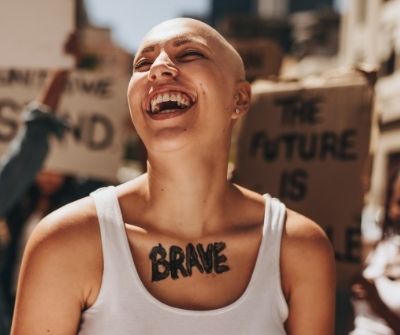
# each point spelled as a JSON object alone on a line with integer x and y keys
{"x": 242, "y": 99}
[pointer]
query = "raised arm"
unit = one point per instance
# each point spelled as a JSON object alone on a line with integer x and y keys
{"x": 308, "y": 277}
{"x": 60, "y": 267}
{"x": 30, "y": 146}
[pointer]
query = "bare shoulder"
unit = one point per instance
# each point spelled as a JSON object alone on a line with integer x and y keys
{"x": 302, "y": 232}
{"x": 67, "y": 239}
{"x": 304, "y": 237}
{"x": 308, "y": 276}
{"x": 71, "y": 224}
{"x": 67, "y": 245}
{"x": 62, "y": 262}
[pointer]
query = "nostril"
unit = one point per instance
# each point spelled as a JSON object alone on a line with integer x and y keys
{"x": 162, "y": 70}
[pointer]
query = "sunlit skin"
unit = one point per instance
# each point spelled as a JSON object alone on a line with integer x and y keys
{"x": 183, "y": 198}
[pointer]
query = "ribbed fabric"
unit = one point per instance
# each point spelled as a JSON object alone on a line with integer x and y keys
{"x": 124, "y": 306}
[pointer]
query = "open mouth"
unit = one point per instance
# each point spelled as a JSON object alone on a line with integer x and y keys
{"x": 169, "y": 102}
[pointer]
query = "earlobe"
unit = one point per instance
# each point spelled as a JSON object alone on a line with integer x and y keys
{"x": 242, "y": 99}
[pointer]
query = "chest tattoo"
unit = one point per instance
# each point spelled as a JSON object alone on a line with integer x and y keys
{"x": 177, "y": 261}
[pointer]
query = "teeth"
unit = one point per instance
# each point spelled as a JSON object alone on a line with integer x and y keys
{"x": 178, "y": 97}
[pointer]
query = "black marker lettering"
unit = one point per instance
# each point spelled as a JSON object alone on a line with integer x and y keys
{"x": 192, "y": 259}
{"x": 206, "y": 256}
{"x": 177, "y": 257}
{"x": 177, "y": 262}
{"x": 219, "y": 259}
{"x": 157, "y": 262}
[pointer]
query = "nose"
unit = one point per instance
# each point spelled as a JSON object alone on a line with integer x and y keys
{"x": 162, "y": 67}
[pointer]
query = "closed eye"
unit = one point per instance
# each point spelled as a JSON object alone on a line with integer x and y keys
{"x": 190, "y": 55}
{"x": 142, "y": 65}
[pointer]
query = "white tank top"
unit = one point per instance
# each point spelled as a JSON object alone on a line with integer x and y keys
{"x": 124, "y": 306}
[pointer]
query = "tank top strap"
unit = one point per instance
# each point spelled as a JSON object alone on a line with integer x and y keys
{"x": 274, "y": 221}
{"x": 267, "y": 269}
{"x": 112, "y": 228}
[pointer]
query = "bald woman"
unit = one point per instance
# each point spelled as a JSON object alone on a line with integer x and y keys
{"x": 179, "y": 250}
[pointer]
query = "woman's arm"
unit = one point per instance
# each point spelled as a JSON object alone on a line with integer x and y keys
{"x": 30, "y": 146}
{"x": 308, "y": 277}
{"x": 55, "y": 281}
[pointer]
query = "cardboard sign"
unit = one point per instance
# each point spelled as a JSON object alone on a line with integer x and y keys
{"x": 33, "y": 33}
{"x": 306, "y": 143}
{"x": 93, "y": 104}
{"x": 262, "y": 57}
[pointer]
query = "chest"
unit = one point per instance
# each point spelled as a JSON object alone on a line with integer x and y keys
{"x": 199, "y": 274}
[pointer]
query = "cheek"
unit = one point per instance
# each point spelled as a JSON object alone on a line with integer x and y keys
{"x": 130, "y": 92}
{"x": 134, "y": 97}
{"x": 219, "y": 92}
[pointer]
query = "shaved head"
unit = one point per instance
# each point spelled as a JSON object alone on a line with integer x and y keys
{"x": 232, "y": 57}
{"x": 191, "y": 64}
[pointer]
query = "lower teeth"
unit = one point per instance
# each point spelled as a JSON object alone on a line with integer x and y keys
{"x": 165, "y": 111}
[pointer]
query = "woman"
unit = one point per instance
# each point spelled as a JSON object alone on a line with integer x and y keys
{"x": 376, "y": 293}
{"x": 179, "y": 249}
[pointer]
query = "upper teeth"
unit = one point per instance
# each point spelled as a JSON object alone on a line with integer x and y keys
{"x": 180, "y": 98}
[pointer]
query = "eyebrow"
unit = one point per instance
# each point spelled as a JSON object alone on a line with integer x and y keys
{"x": 178, "y": 42}
{"x": 184, "y": 40}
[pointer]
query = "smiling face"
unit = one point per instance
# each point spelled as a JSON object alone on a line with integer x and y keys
{"x": 187, "y": 87}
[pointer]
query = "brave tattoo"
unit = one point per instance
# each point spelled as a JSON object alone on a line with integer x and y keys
{"x": 178, "y": 261}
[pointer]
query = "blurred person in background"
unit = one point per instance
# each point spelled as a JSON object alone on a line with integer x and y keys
{"x": 25, "y": 156}
{"x": 180, "y": 249}
{"x": 28, "y": 150}
{"x": 23, "y": 160}
{"x": 376, "y": 294}
{"x": 50, "y": 190}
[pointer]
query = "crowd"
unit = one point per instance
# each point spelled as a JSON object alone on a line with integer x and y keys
{"x": 219, "y": 247}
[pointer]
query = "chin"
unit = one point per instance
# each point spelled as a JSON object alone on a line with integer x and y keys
{"x": 169, "y": 140}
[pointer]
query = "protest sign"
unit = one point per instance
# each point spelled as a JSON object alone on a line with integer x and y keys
{"x": 33, "y": 33}
{"x": 306, "y": 143}
{"x": 262, "y": 57}
{"x": 94, "y": 105}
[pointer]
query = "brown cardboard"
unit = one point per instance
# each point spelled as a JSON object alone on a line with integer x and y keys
{"x": 333, "y": 113}
{"x": 262, "y": 57}
{"x": 33, "y": 33}
{"x": 94, "y": 104}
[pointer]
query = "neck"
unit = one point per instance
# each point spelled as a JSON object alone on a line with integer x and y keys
{"x": 188, "y": 194}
